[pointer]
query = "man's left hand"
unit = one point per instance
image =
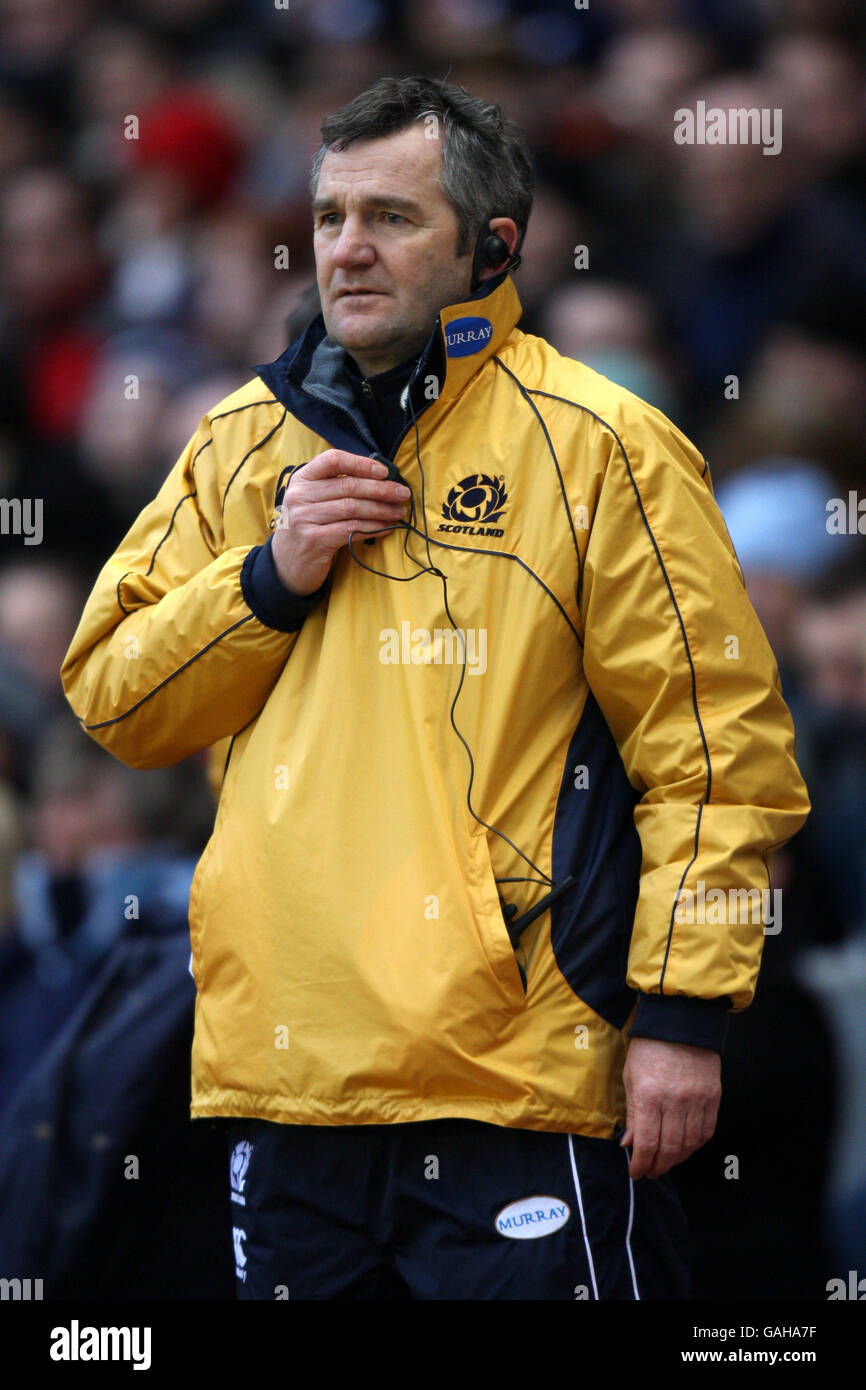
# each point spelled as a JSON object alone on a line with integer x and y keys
{"x": 672, "y": 1095}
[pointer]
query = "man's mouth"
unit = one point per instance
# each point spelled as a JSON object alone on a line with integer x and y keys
{"x": 343, "y": 292}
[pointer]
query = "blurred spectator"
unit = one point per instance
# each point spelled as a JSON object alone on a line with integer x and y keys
{"x": 40, "y": 604}
{"x": 776, "y": 514}
{"x": 21, "y": 140}
{"x": 11, "y": 840}
{"x": 821, "y": 90}
{"x": 831, "y": 640}
{"x": 829, "y": 646}
{"x": 37, "y": 38}
{"x": 612, "y": 328}
{"x": 51, "y": 272}
{"x": 234, "y": 281}
{"x": 643, "y": 73}
{"x": 802, "y": 397}
{"x": 290, "y": 313}
{"x": 472, "y": 28}
{"x": 184, "y": 411}
{"x": 119, "y": 440}
{"x": 813, "y": 16}
{"x": 187, "y": 153}
{"x": 118, "y": 72}
{"x": 102, "y": 859}
{"x": 555, "y": 228}
{"x": 748, "y": 249}
{"x": 183, "y": 157}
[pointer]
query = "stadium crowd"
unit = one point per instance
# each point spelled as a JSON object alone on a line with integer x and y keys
{"x": 155, "y": 243}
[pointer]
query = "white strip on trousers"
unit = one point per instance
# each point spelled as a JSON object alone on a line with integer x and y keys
{"x": 583, "y": 1223}
{"x": 582, "y": 1217}
{"x": 628, "y": 1232}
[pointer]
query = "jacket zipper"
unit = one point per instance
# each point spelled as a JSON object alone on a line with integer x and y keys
{"x": 339, "y": 410}
{"x": 368, "y": 391}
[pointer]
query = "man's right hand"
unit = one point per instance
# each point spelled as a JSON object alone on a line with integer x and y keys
{"x": 327, "y": 499}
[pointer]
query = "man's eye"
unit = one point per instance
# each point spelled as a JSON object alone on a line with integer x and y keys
{"x": 328, "y": 219}
{"x": 393, "y": 218}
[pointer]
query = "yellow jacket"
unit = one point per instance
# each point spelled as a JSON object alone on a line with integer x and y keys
{"x": 618, "y": 697}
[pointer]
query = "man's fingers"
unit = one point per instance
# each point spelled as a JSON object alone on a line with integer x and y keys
{"x": 693, "y": 1127}
{"x": 671, "y": 1148}
{"x": 647, "y": 1126}
{"x": 326, "y": 501}
{"x": 678, "y": 1130}
{"x": 345, "y": 509}
{"x": 330, "y": 539}
{"x": 710, "y": 1119}
{"x": 343, "y": 491}
{"x": 350, "y": 486}
{"x": 628, "y": 1138}
{"x": 333, "y": 462}
{"x": 685, "y": 1127}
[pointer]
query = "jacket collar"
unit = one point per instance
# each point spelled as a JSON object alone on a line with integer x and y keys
{"x": 472, "y": 331}
{"x": 310, "y": 378}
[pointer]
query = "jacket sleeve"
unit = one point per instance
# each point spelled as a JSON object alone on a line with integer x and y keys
{"x": 182, "y": 638}
{"x": 680, "y": 666}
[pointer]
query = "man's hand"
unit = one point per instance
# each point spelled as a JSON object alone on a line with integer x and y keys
{"x": 672, "y": 1096}
{"x": 327, "y": 499}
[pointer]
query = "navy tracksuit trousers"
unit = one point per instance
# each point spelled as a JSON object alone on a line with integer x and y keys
{"x": 447, "y": 1209}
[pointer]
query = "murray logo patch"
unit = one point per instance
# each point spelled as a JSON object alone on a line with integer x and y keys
{"x": 532, "y": 1217}
{"x": 465, "y": 336}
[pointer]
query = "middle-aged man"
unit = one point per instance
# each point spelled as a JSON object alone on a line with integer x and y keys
{"x": 537, "y": 682}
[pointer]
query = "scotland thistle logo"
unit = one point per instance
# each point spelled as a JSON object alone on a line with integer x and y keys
{"x": 476, "y": 499}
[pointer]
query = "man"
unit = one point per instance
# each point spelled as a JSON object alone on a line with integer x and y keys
{"x": 526, "y": 676}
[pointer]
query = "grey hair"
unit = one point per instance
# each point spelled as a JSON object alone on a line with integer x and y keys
{"x": 486, "y": 171}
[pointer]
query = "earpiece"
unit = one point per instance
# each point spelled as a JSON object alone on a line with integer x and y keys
{"x": 493, "y": 250}
{"x": 490, "y": 251}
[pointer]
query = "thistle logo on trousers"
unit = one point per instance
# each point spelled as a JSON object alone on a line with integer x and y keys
{"x": 240, "y": 1162}
{"x": 532, "y": 1217}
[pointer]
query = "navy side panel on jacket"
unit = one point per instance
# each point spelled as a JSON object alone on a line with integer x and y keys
{"x": 595, "y": 840}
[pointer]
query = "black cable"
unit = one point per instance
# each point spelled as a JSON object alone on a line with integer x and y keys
{"x": 544, "y": 879}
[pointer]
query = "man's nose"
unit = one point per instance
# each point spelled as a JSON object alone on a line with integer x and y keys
{"x": 353, "y": 246}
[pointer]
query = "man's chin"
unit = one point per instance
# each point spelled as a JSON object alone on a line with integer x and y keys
{"x": 355, "y": 331}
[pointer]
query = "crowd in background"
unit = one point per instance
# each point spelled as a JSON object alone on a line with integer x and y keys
{"x": 155, "y": 244}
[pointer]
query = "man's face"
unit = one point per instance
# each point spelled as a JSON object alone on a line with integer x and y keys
{"x": 385, "y": 240}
